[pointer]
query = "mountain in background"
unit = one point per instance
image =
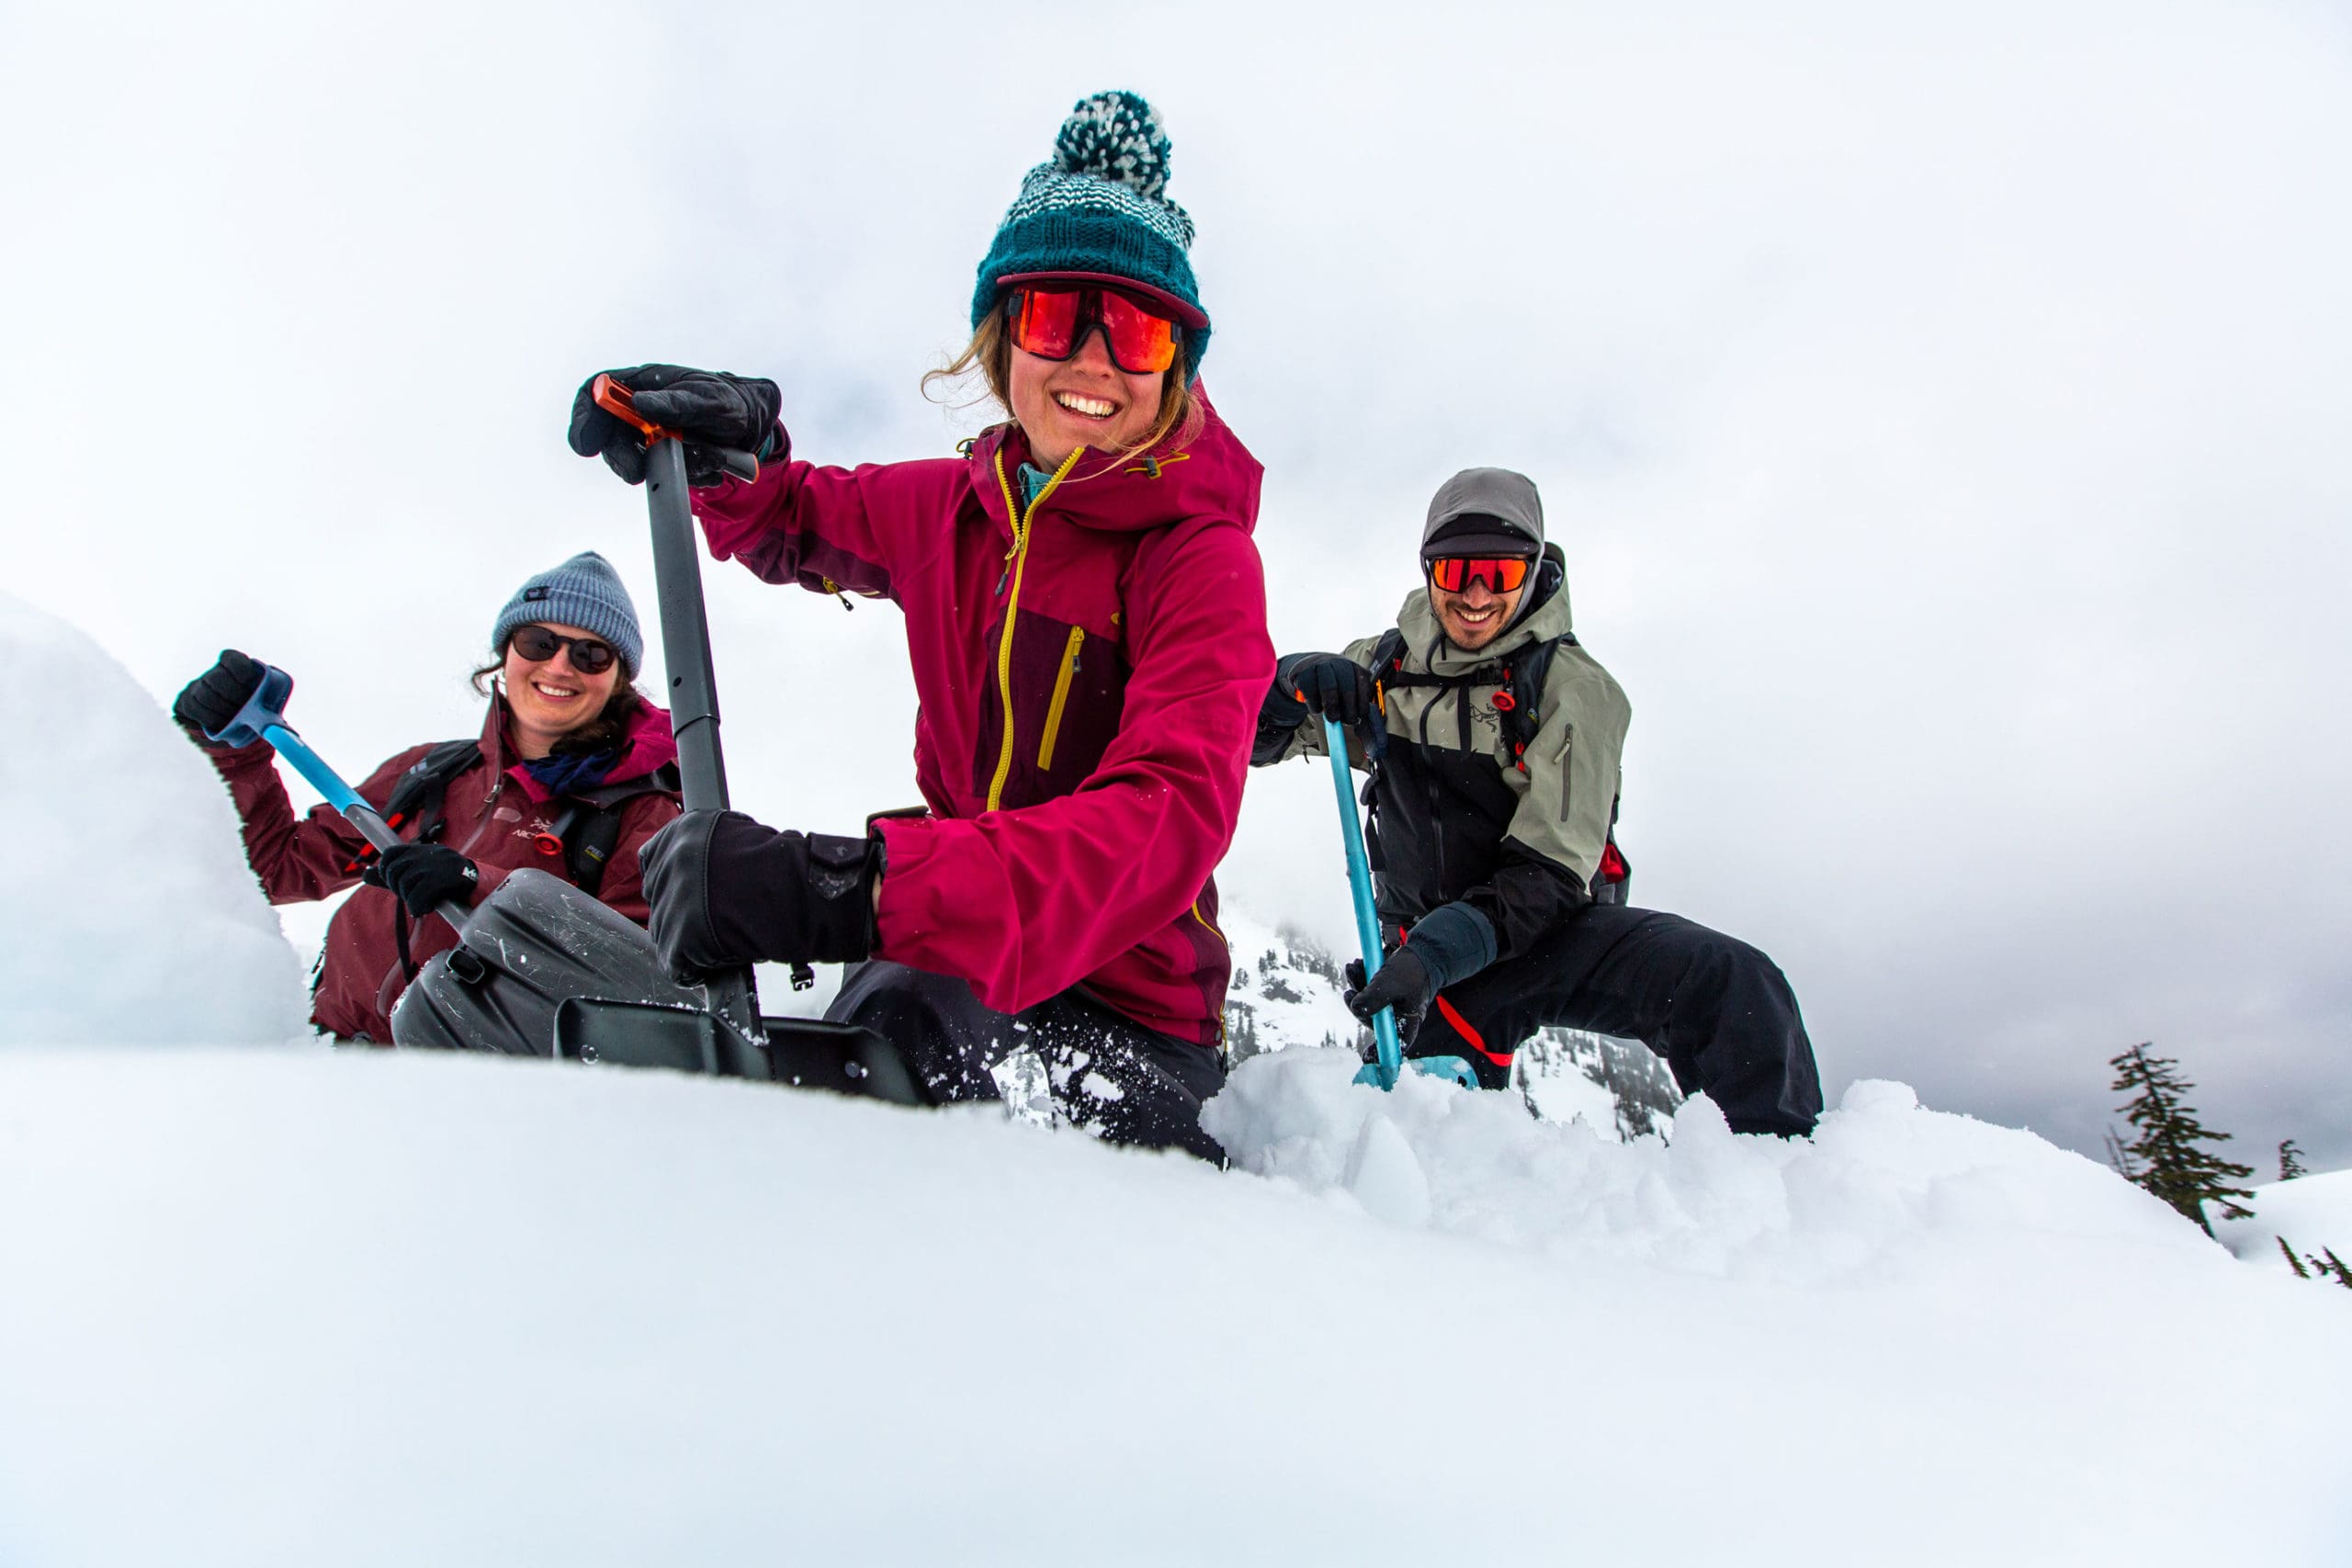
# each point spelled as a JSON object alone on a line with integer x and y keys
{"x": 1286, "y": 994}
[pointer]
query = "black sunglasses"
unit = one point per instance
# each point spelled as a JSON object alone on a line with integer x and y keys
{"x": 589, "y": 656}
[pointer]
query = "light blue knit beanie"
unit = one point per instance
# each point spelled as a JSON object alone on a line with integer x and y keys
{"x": 584, "y": 591}
{"x": 1097, "y": 210}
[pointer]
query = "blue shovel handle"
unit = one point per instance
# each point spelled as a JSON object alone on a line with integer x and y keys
{"x": 263, "y": 719}
{"x": 1383, "y": 1022}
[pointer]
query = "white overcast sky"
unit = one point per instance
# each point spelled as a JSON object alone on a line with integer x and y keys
{"x": 1944, "y": 411}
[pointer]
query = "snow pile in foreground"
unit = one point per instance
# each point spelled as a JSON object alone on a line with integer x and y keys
{"x": 1880, "y": 1184}
{"x": 2311, "y": 1211}
{"x": 137, "y": 921}
{"x": 370, "y": 1307}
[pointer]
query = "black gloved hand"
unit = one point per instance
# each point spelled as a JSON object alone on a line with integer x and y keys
{"x": 213, "y": 698}
{"x": 1403, "y": 983}
{"x": 1326, "y": 684}
{"x": 423, "y": 876}
{"x": 727, "y": 892}
{"x": 708, "y": 408}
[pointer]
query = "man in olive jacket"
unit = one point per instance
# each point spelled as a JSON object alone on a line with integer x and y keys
{"x": 1492, "y": 739}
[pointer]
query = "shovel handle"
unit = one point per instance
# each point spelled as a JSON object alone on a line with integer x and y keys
{"x": 617, "y": 400}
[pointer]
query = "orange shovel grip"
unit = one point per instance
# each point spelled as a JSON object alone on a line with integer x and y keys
{"x": 618, "y": 401}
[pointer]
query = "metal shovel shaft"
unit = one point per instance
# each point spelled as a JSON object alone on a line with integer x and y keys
{"x": 1383, "y": 1022}
{"x": 343, "y": 798}
{"x": 693, "y": 685}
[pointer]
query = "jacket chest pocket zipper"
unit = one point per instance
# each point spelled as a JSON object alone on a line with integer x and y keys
{"x": 1567, "y": 770}
{"x": 1061, "y": 696}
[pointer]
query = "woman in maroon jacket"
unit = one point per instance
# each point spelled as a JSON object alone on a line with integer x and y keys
{"x": 1086, "y": 618}
{"x": 573, "y": 771}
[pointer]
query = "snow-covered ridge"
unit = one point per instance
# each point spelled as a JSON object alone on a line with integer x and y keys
{"x": 1286, "y": 995}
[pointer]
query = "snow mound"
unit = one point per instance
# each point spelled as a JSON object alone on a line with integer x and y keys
{"x": 1883, "y": 1184}
{"x": 2311, "y": 1211}
{"x": 374, "y": 1307}
{"x": 144, "y": 923}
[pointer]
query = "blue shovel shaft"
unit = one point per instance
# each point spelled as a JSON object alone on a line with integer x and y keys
{"x": 263, "y": 719}
{"x": 1383, "y": 1022}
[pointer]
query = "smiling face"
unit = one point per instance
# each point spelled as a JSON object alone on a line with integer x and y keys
{"x": 1477, "y": 615}
{"x": 548, "y": 698}
{"x": 1084, "y": 400}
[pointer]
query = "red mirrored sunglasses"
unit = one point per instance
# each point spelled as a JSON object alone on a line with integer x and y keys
{"x": 1501, "y": 573}
{"x": 1051, "y": 320}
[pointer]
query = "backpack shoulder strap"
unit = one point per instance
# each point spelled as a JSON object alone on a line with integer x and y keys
{"x": 1530, "y": 668}
{"x": 418, "y": 793}
{"x": 592, "y": 829}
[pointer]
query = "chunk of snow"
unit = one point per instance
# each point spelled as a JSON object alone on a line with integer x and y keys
{"x": 136, "y": 918}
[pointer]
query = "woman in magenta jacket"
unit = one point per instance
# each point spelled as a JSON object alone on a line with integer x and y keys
{"x": 1086, "y": 618}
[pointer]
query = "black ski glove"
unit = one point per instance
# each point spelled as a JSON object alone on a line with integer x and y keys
{"x": 1324, "y": 683}
{"x": 1403, "y": 983}
{"x": 213, "y": 698}
{"x": 708, "y": 408}
{"x": 727, "y": 892}
{"x": 1450, "y": 942}
{"x": 423, "y": 876}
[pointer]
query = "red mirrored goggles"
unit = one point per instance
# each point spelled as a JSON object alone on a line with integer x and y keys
{"x": 1051, "y": 320}
{"x": 1501, "y": 573}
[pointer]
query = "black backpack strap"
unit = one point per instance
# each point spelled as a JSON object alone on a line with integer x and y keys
{"x": 591, "y": 829}
{"x": 418, "y": 793}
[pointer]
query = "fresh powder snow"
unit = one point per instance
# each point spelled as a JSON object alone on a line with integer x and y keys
{"x": 300, "y": 1305}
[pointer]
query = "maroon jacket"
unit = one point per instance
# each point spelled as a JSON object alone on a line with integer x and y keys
{"x": 1125, "y": 633}
{"x": 494, "y": 813}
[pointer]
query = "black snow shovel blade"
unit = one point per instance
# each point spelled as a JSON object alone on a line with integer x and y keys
{"x": 536, "y": 943}
{"x": 804, "y": 1052}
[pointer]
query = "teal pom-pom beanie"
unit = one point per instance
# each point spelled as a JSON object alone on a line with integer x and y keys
{"x": 1099, "y": 209}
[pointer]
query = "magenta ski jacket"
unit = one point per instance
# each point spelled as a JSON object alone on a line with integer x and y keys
{"x": 1090, "y": 667}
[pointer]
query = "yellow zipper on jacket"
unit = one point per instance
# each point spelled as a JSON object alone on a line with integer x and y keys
{"x": 1061, "y": 696}
{"x": 1019, "y": 556}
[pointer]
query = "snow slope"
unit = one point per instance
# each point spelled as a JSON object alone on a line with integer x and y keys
{"x": 2310, "y": 1212}
{"x": 136, "y": 920}
{"x": 304, "y": 1307}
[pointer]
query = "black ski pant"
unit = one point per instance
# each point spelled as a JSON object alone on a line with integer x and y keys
{"x": 1718, "y": 1010}
{"x": 1119, "y": 1080}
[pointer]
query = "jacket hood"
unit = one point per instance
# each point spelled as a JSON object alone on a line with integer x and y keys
{"x": 647, "y": 745}
{"x": 1214, "y": 476}
{"x": 1545, "y": 618}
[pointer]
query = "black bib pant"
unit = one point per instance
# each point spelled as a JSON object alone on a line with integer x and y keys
{"x": 1718, "y": 1012}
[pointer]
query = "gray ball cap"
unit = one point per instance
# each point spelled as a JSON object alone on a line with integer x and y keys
{"x": 1485, "y": 511}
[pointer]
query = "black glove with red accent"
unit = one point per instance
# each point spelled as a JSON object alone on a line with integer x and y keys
{"x": 1450, "y": 942}
{"x": 708, "y": 409}
{"x": 213, "y": 699}
{"x": 423, "y": 876}
{"x": 1403, "y": 983}
{"x": 727, "y": 892}
{"x": 1327, "y": 683}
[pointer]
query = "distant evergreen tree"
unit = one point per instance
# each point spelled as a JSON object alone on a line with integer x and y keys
{"x": 2325, "y": 1266}
{"x": 2172, "y": 1162}
{"x": 2119, "y": 1158}
{"x": 2291, "y": 1160}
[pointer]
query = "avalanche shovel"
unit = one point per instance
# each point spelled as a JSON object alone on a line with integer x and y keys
{"x": 1380, "y": 1072}
{"x": 533, "y": 944}
{"x": 725, "y": 1031}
